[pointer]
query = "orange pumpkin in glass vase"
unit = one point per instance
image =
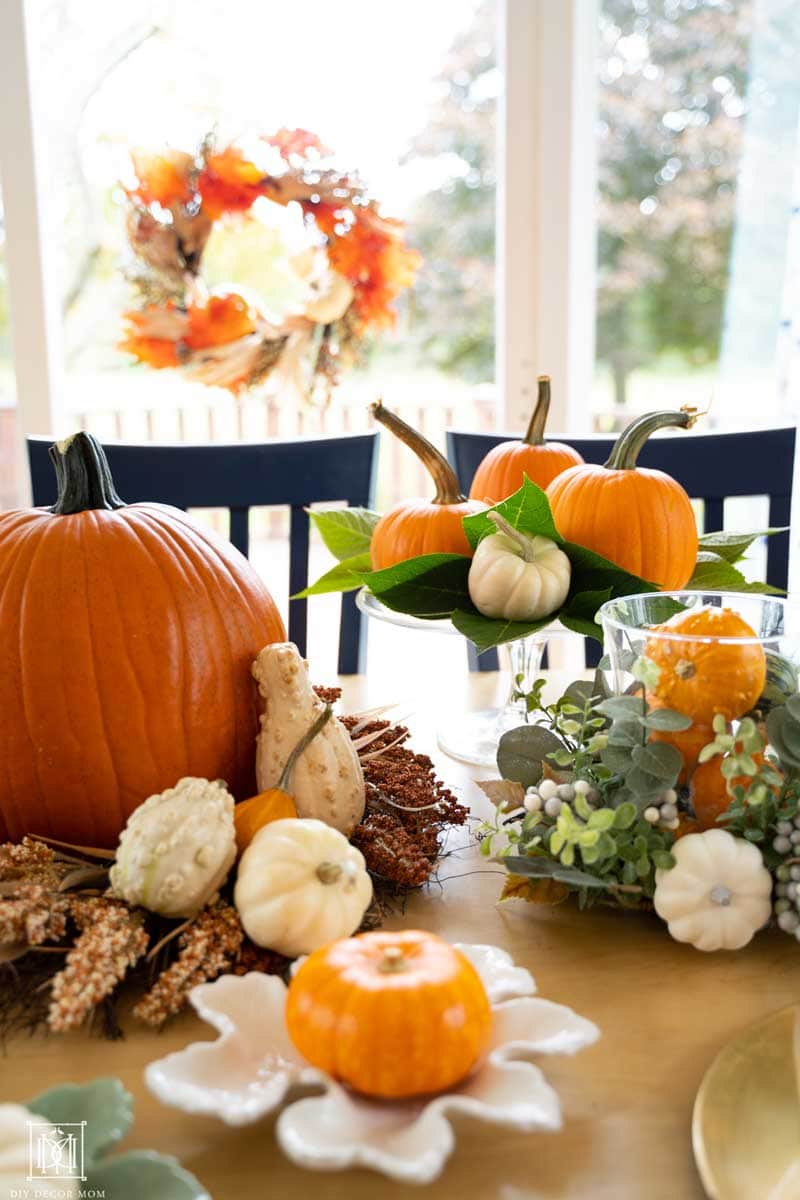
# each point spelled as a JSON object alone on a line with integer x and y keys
{"x": 127, "y": 636}
{"x": 415, "y": 527}
{"x": 504, "y": 468}
{"x": 639, "y": 518}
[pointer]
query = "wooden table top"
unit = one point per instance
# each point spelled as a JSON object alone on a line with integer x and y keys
{"x": 664, "y": 1011}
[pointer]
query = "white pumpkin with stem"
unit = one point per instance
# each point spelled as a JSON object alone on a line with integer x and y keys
{"x": 517, "y": 577}
{"x": 301, "y": 885}
{"x": 718, "y": 894}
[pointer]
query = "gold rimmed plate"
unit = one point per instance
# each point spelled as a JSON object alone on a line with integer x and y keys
{"x": 746, "y": 1121}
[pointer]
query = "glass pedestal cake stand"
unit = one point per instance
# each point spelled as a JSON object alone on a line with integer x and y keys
{"x": 472, "y": 737}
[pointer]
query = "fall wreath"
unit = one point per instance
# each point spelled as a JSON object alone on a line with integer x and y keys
{"x": 354, "y": 266}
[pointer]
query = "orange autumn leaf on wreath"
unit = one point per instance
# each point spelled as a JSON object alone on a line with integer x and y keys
{"x": 296, "y": 142}
{"x": 230, "y": 182}
{"x": 368, "y": 250}
{"x": 162, "y": 178}
{"x": 161, "y": 335}
{"x": 223, "y": 318}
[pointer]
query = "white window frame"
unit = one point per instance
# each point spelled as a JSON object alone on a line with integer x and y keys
{"x": 546, "y": 223}
{"x": 36, "y": 322}
{"x": 545, "y": 217}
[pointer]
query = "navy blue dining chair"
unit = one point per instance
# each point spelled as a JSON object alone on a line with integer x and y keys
{"x": 241, "y": 476}
{"x": 712, "y": 467}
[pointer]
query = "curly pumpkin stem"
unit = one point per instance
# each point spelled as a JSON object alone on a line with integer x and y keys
{"x": 83, "y": 476}
{"x": 521, "y": 539}
{"x": 629, "y": 443}
{"x": 534, "y": 435}
{"x": 303, "y": 744}
{"x": 434, "y": 462}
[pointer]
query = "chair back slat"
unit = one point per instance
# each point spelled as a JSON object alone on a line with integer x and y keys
{"x": 239, "y": 533}
{"x": 711, "y": 467}
{"x": 241, "y": 476}
{"x": 298, "y": 576}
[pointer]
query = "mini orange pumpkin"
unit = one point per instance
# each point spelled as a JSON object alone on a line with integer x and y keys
{"x": 276, "y": 802}
{"x": 415, "y": 527}
{"x": 640, "y": 519}
{"x": 504, "y": 468}
{"x": 127, "y": 635}
{"x": 701, "y": 675}
{"x": 391, "y": 1014}
{"x": 709, "y": 792}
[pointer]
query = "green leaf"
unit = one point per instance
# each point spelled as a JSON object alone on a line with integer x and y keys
{"x": 626, "y": 733}
{"x": 528, "y": 510}
{"x": 620, "y": 707}
{"x": 344, "y": 577}
{"x": 659, "y": 760}
{"x": 345, "y": 531}
{"x": 591, "y": 573}
{"x": 603, "y": 819}
{"x": 713, "y": 573}
{"x": 431, "y": 585}
{"x": 666, "y": 719}
{"x": 142, "y": 1173}
{"x": 733, "y": 546}
{"x": 581, "y": 692}
{"x": 484, "y": 632}
{"x": 539, "y": 867}
{"x": 104, "y": 1104}
{"x": 618, "y": 758}
{"x": 520, "y": 753}
{"x": 626, "y": 815}
{"x": 662, "y": 859}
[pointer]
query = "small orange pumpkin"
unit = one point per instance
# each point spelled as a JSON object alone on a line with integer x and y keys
{"x": 701, "y": 675}
{"x": 276, "y": 802}
{"x": 391, "y": 1014}
{"x": 504, "y": 468}
{"x": 640, "y": 519}
{"x": 415, "y": 527}
{"x": 127, "y": 635}
{"x": 709, "y": 791}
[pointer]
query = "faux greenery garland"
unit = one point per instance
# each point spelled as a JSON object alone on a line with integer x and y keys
{"x": 589, "y": 805}
{"x": 434, "y": 586}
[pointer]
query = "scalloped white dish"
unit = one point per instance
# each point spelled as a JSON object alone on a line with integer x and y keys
{"x": 251, "y": 1068}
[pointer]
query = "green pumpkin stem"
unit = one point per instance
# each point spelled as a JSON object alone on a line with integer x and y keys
{"x": 83, "y": 476}
{"x": 629, "y": 443}
{"x": 534, "y": 435}
{"x": 434, "y": 462}
{"x": 305, "y": 741}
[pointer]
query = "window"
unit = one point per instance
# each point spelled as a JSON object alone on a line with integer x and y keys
{"x": 698, "y": 153}
{"x": 172, "y": 71}
{"x": 8, "y": 442}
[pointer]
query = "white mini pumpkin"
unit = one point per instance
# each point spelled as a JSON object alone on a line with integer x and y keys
{"x": 718, "y": 894}
{"x": 301, "y": 885}
{"x": 517, "y": 577}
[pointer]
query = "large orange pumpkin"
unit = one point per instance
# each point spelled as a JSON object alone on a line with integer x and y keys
{"x": 640, "y": 519}
{"x": 391, "y": 1014}
{"x": 504, "y": 468}
{"x": 415, "y": 527}
{"x": 126, "y": 640}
